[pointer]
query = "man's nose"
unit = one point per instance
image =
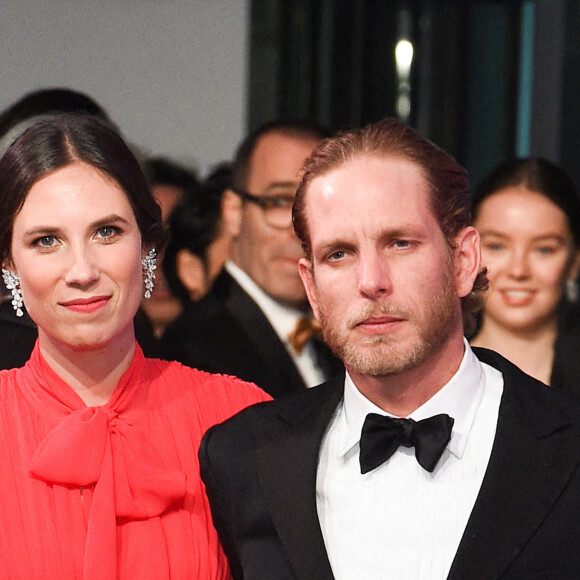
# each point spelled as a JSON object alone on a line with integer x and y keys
{"x": 373, "y": 275}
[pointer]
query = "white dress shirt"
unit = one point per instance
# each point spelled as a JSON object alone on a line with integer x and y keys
{"x": 283, "y": 319}
{"x": 399, "y": 521}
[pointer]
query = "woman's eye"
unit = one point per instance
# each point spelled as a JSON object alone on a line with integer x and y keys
{"x": 45, "y": 241}
{"x": 547, "y": 250}
{"x": 107, "y": 231}
{"x": 493, "y": 246}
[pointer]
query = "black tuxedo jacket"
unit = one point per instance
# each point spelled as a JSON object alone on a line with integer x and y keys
{"x": 260, "y": 472}
{"x": 17, "y": 336}
{"x": 226, "y": 332}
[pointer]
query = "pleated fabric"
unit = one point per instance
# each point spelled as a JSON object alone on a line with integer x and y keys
{"x": 111, "y": 492}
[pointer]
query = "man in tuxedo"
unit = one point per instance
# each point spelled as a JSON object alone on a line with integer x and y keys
{"x": 255, "y": 323}
{"x": 427, "y": 459}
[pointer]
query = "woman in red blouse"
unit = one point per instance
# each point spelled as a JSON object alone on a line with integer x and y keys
{"x": 98, "y": 445}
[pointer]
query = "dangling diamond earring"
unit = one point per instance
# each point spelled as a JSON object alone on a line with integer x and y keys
{"x": 149, "y": 263}
{"x": 12, "y": 282}
{"x": 572, "y": 290}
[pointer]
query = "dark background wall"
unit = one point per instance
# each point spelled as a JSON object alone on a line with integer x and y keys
{"x": 491, "y": 79}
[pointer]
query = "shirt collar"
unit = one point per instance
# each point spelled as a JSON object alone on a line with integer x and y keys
{"x": 460, "y": 398}
{"x": 281, "y": 317}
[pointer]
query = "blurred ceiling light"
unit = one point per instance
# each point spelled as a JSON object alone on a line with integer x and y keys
{"x": 404, "y": 57}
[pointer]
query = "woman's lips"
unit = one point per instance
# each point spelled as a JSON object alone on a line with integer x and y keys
{"x": 514, "y": 297}
{"x": 86, "y": 305}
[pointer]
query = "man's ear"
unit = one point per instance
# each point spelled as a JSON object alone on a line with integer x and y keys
{"x": 467, "y": 260}
{"x": 231, "y": 206}
{"x": 306, "y": 271}
{"x": 574, "y": 266}
{"x": 191, "y": 273}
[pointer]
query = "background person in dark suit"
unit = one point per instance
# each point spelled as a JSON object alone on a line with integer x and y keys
{"x": 336, "y": 482}
{"x": 243, "y": 325}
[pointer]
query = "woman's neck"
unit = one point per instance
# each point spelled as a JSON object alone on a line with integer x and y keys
{"x": 92, "y": 373}
{"x": 530, "y": 350}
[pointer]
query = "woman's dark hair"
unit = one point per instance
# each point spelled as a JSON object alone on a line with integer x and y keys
{"x": 539, "y": 175}
{"x": 61, "y": 141}
{"x": 162, "y": 171}
{"x": 50, "y": 101}
{"x": 194, "y": 224}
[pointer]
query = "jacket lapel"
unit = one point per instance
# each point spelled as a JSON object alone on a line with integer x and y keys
{"x": 287, "y": 462}
{"x": 533, "y": 443}
{"x": 260, "y": 332}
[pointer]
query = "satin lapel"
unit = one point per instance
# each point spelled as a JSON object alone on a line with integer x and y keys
{"x": 263, "y": 336}
{"x": 534, "y": 456}
{"x": 287, "y": 461}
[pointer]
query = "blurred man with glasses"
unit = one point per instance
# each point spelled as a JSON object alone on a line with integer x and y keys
{"x": 255, "y": 323}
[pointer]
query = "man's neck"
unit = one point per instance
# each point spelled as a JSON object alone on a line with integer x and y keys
{"x": 402, "y": 393}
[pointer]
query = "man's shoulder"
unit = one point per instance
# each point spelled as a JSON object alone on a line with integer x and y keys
{"x": 227, "y": 299}
{"x": 287, "y": 409}
{"x": 530, "y": 396}
{"x": 204, "y": 319}
{"x": 225, "y": 287}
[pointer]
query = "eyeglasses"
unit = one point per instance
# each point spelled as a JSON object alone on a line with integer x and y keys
{"x": 277, "y": 208}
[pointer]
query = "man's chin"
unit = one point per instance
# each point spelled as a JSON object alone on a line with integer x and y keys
{"x": 379, "y": 356}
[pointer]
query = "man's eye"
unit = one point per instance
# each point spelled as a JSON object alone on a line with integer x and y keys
{"x": 402, "y": 244}
{"x": 279, "y": 202}
{"x": 338, "y": 255}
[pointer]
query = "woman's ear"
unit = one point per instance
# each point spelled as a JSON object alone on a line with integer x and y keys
{"x": 574, "y": 266}
{"x": 146, "y": 249}
{"x": 8, "y": 265}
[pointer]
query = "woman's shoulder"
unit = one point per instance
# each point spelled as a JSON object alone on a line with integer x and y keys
{"x": 12, "y": 381}
{"x": 10, "y": 375}
{"x": 220, "y": 390}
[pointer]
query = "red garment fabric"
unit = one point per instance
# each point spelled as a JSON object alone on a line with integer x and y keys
{"x": 111, "y": 492}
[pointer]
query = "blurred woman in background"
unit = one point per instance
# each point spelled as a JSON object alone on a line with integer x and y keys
{"x": 528, "y": 214}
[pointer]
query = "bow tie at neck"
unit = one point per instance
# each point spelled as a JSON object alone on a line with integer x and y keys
{"x": 381, "y": 436}
{"x": 95, "y": 446}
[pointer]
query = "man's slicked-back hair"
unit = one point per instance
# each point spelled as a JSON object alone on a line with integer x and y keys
{"x": 298, "y": 128}
{"x": 392, "y": 139}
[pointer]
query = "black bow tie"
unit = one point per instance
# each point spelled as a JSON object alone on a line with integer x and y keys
{"x": 381, "y": 436}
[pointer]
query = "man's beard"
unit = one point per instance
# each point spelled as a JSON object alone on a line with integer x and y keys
{"x": 384, "y": 355}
